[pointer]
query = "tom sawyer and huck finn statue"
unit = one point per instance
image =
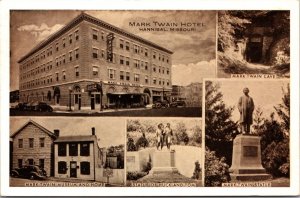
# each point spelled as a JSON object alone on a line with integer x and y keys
{"x": 246, "y": 156}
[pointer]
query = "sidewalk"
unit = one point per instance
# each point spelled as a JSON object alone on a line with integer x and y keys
{"x": 98, "y": 111}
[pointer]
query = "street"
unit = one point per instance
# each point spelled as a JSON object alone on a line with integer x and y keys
{"x": 163, "y": 112}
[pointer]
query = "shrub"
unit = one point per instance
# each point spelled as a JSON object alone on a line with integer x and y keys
{"x": 135, "y": 175}
{"x": 216, "y": 170}
{"x": 142, "y": 142}
{"x": 130, "y": 145}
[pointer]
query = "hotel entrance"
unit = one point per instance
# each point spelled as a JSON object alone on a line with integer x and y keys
{"x": 95, "y": 101}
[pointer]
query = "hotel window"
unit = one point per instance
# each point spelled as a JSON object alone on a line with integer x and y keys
{"x": 76, "y": 71}
{"x": 163, "y": 58}
{"x": 102, "y": 54}
{"x": 85, "y": 168}
{"x": 142, "y": 64}
{"x": 20, "y": 143}
{"x": 56, "y": 46}
{"x": 95, "y": 53}
{"x": 77, "y": 53}
{"x": 136, "y": 78}
{"x": 154, "y": 55}
{"x": 30, "y": 162}
{"x": 127, "y": 76}
{"x": 64, "y": 75}
{"x": 70, "y": 56}
{"x": 76, "y": 35}
{"x": 163, "y": 70}
{"x": 159, "y": 82}
{"x": 102, "y": 36}
{"x": 168, "y": 83}
{"x": 121, "y": 75}
{"x": 146, "y": 79}
{"x": 112, "y": 73}
{"x": 154, "y": 81}
{"x": 84, "y": 149}
{"x": 168, "y": 71}
{"x": 64, "y": 42}
{"x": 95, "y": 71}
{"x": 95, "y": 34}
{"x": 121, "y": 60}
{"x": 159, "y": 69}
{"x": 62, "y": 149}
{"x": 62, "y": 167}
{"x": 163, "y": 82}
{"x": 56, "y": 61}
{"x": 57, "y": 77}
{"x": 146, "y": 65}
{"x": 158, "y": 56}
{"x": 42, "y": 142}
{"x": 42, "y": 163}
{"x": 137, "y": 64}
{"x": 31, "y": 142}
{"x": 73, "y": 149}
{"x": 70, "y": 38}
{"x": 127, "y": 46}
{"x": 64, "y": 58}
{"x": 20, "y": 163}
{"x": 167, "y": 60}
{"x": 121, "y": 44}
{"x": 154, "y": 68}
{"x": 135, "y": 47}
{"x": 127, "y": 61}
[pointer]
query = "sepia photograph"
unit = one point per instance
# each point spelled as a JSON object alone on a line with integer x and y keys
{"x": 164, "y": 153}
{"x": 66, "y": 152}
{"x": 110, "y": 63}
{"x": 247, "y": 133}
{"x": 253, "y": 42}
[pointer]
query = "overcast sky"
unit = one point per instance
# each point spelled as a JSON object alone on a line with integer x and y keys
{"x": 194, "y": 52}
{"x": 265, "y": 94}
{"x": 109, "y": 131}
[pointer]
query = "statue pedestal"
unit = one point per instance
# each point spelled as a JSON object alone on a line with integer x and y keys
{"x": 246, "y": 159}
{"x": 163, "y": 161}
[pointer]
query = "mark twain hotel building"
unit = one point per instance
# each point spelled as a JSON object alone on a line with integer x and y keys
{"x": 90, "y": 62}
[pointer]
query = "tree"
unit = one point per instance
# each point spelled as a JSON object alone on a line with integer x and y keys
{"x": 181, "y": 134}
{"x": 258, "y": 121}
{"x": 220, "y": 130}
{"x": 130, "y": 145}
{"x": 197, "y": 136}
{"x": 142, "y": 142}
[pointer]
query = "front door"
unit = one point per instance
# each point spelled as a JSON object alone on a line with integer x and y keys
{"x": 92, "y": 101}
{"x": 77, "y": 101}
{"x": 73, "y": 169}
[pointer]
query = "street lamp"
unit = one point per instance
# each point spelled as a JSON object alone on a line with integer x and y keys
{"x": 70, "y": 91}
{"x": 101, "y": 94}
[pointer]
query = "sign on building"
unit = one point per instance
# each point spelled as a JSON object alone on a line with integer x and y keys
{"x": 109, "y": 40}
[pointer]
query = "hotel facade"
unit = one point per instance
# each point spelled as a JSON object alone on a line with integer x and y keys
{"x": 90, "y": 64}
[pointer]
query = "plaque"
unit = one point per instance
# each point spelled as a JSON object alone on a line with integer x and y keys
{"x": 250, "y": 151}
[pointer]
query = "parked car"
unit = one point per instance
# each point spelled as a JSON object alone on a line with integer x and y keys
{"x": 42, "y": 106}
{"x": 178, "y": 103}
{"x": 161, "y": 104}
{"x": 29, "y": 172}
{"x": 22, "y": 106}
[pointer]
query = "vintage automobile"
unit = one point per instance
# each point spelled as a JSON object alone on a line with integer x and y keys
{"x": 161, "y": 104}
{"x": 29, "y": 172}
{"x": 22, "y": 106}
{"x": 178, "y": 103}
{"x": 42, "y": 106}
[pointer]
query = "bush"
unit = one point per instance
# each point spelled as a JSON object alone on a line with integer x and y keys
{"x": 142, "y": 142}
{"x": 135, "y": 175}
{"x": 130, "y": 145}
{"x": 216, "y": 170}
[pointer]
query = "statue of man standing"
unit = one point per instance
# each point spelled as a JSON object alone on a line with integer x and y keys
{"x": 246, "y": 107}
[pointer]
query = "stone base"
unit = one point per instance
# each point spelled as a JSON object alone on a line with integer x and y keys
{"x": 246, "y": 159}
{"x": 159, "y": 170}
{"x": 163, "y": 162}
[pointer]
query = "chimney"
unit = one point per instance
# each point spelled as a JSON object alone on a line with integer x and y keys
{"x": 93, "y": 130}
{"x": 56, "y": 132}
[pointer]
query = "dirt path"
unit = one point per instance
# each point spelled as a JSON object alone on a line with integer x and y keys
{"x": 258, "y": 66}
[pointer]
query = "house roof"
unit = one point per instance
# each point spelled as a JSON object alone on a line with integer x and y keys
{"x": 51, "y": 134}
{"x": 83, "y": 16}
{"x": 79, "y": 138}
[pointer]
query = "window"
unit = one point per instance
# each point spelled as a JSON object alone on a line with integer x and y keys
{"x": 136, "y": 77}
{"x": 102, "y": 36}
{"x": 121, "y": 44}
{"x": 56, "y": 61}
{"x": 76, "y": 35}
{"x": 77, "y": 53}
{"x": 95, "y": 53}
{"x": 64, "y": 58}
{"x": 62, "y": 167}
{"x": 42, "y": 163}
{"x": 30, "y": 162}
{"x": 167, "y": 60}
{"x": 154, "y": 68}
{"x": 127, "y": 46}
{"x": 85, "y": 168}
{"x": 62, "y": 149}
{"x": 154, "y": 81}
{"x": 70, "y": 38}
{"x": 154, "y": 55}
{"x": 121, "y": 75}
{"x": 95, "y": 34}
{"x": 137, "y": 64}
{"x": 168, "y": 83}
{"x": 84, "y": 149}
{"x": 42, "y": 142}
{"x": 121, "y": 60}
{"x": 159, "y": 69}
{"x": 70, "y": 56}
{"x": 163, "y": 70}
{"x": 102, "y": 53}
{"x": 168, "y": 71}
{"x": 146, "y": 79}
{"x": 159, "y": 82}
{"x": 57, "y": 77}
{"x": 64, "y": 42}
{"x": 95, "y": 71}
{"x": 146, "y": 65}
{"x": 127, "y": 76}
{"x": 56, "y": 47}
{"x": 20, "y": 143}
{"x": 112, "y": 73}
{"x": 31, "y": 142}
{"x": 136, "y": 48}
{"x": 76, "y": 71}
{"x": 73, "y": 149}
{"x": 20, "y": 163}
{"x": 127, "y": 61}
{"x": 64, "y": 75}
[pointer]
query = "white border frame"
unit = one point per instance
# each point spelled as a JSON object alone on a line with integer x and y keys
{"x": 7, "y": 5}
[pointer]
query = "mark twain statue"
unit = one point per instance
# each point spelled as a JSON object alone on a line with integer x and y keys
{"x": 246, "y": 107}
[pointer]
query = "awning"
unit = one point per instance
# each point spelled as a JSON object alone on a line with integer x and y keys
{"x": 125, "y": 93}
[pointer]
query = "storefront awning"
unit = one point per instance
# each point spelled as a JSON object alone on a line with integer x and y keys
{"x": 125, "y": 93}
